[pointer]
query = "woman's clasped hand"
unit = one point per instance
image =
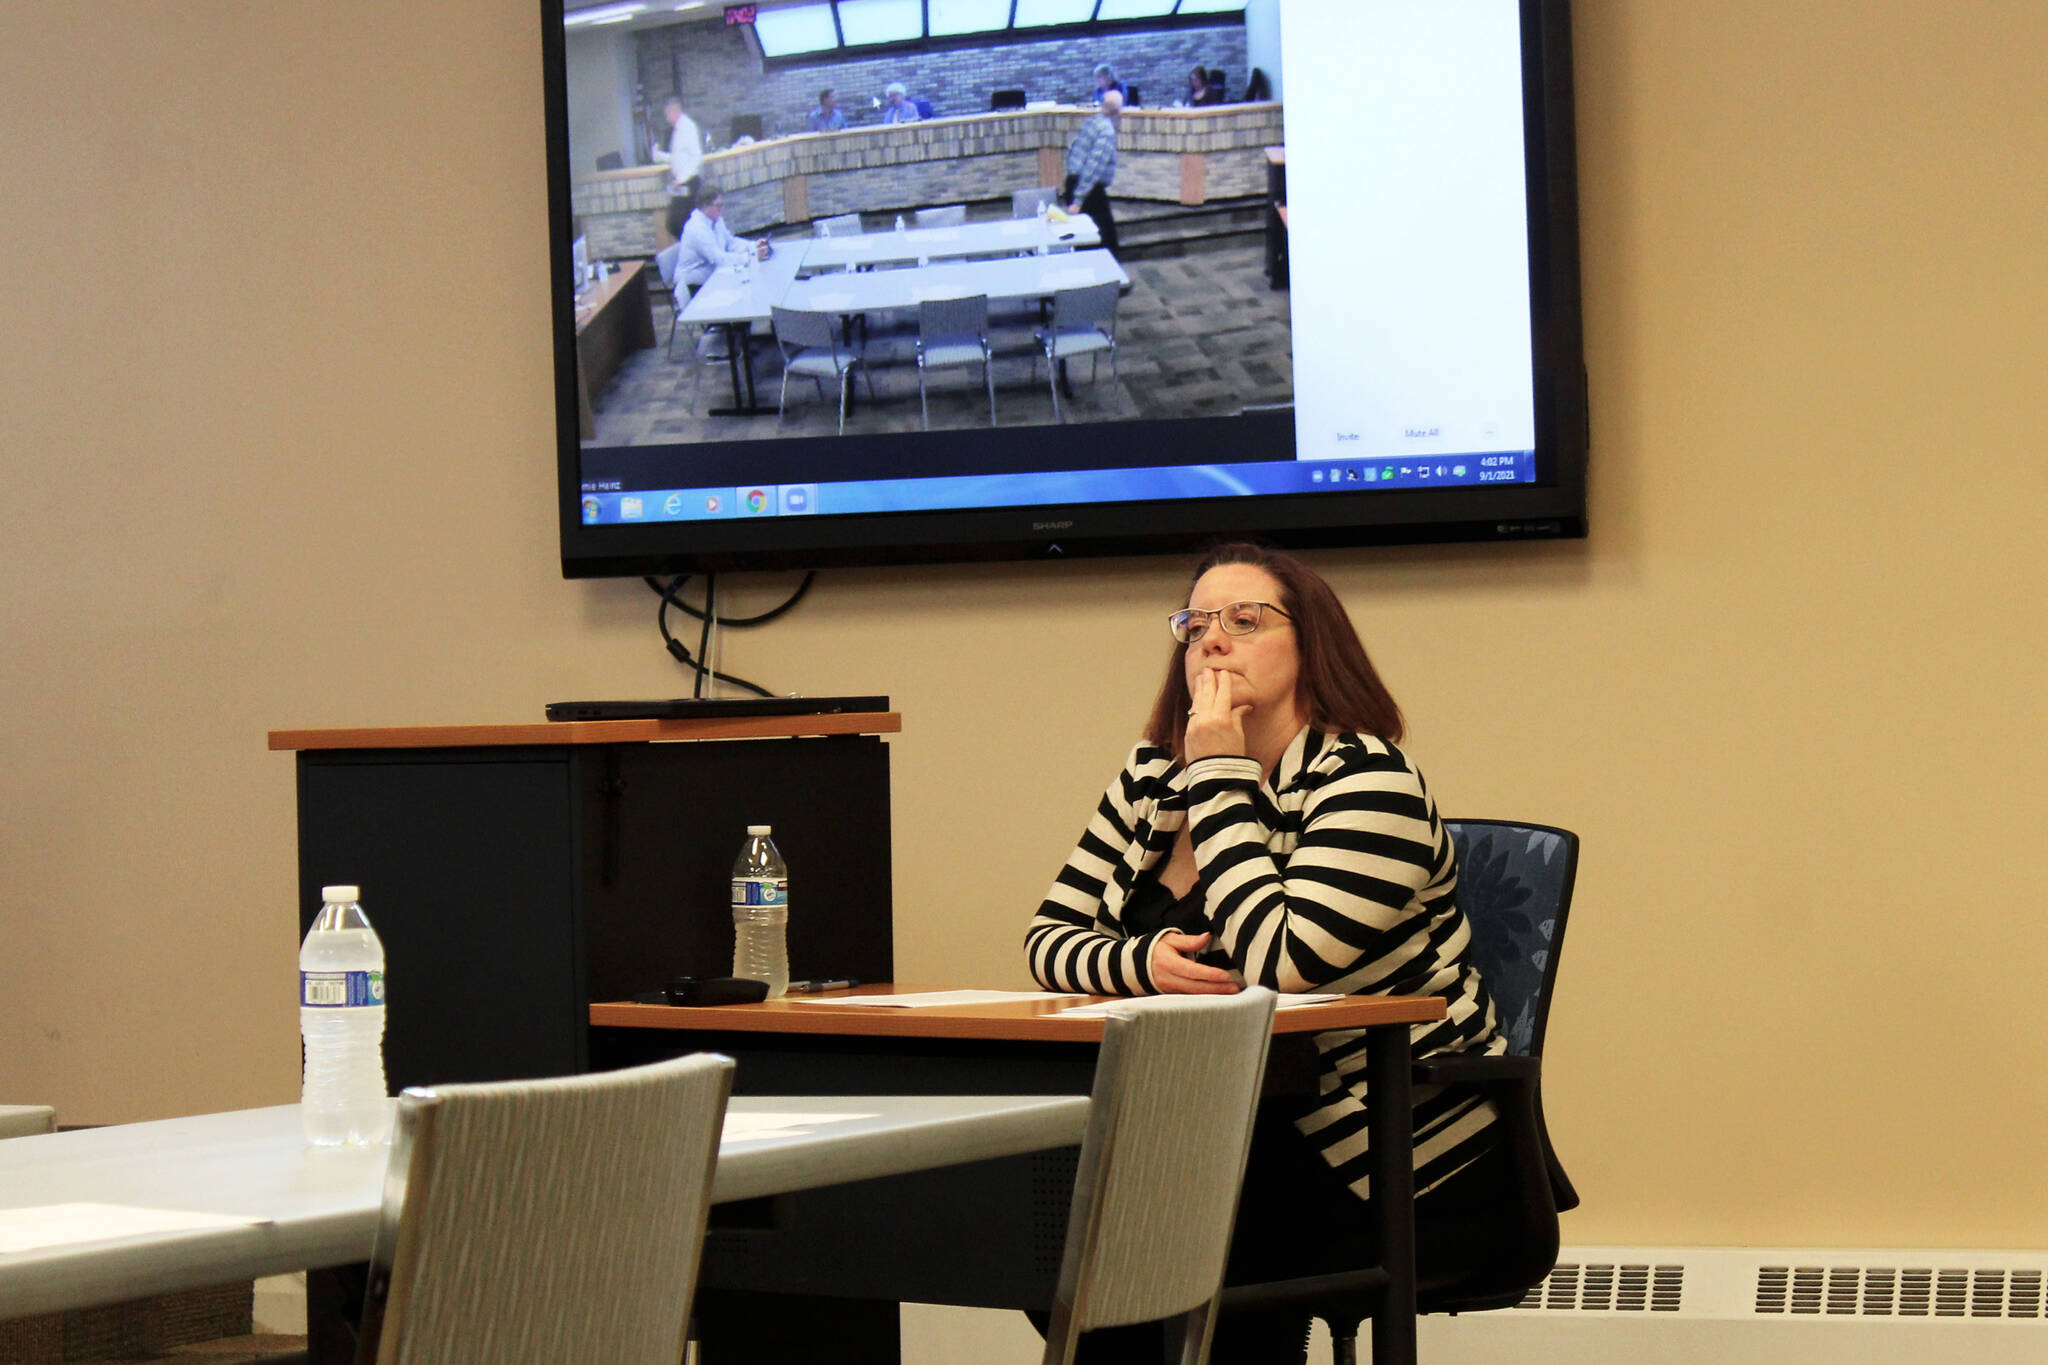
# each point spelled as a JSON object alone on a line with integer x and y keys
{"x": 1175, "y": 971}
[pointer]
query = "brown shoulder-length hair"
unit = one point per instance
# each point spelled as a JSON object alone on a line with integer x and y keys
{"x": 1337, "y": 688}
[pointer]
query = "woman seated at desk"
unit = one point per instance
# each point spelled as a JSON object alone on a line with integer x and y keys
{"x": 1268, "y": 831}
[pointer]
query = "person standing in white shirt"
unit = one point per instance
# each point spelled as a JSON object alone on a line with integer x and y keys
{"x": 684, "y": 157}
{"x": 709, "y": 244}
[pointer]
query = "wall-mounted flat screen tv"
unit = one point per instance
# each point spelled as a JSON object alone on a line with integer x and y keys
{"x": 870, "y": 281}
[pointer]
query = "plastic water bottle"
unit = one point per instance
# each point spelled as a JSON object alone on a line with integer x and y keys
{"x": 760, "y": 913}
{"x": 341, "y": 1020}
{"x": 899, "y": 222}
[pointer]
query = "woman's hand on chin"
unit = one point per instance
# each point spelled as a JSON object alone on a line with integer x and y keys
{"x": 1175, "y": 971}
{"x": 1215, "y": 725}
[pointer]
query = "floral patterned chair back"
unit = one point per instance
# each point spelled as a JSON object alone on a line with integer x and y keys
{"x": 1515, "y": 887}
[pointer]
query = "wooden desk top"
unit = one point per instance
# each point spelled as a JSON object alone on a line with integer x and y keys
{"x": 1021, "y": 1021}
{"x": 590, "y": 732}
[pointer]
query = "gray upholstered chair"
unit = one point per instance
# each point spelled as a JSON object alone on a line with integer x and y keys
{"x": 814, "y": 345}
{"x": 665, "y": 261}
{"x": 1176, "y": 1088}
{"x": 844, "y": 225}
{"x": 954, "y": 332}
{"x": 1083, "y": 323}
{"x": 1027, "y": 203}
{"x": 712, "y": 345}
{"x": 533, "y": 1222}
{"x": 951, "y": 215}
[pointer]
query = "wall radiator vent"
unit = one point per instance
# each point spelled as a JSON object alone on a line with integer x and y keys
{"x": 1904, "y": 1291}
{"x": 1777, "y": 1281}
{"x": 1603, "y": 1285}
{"x": 1624, "y": 1305}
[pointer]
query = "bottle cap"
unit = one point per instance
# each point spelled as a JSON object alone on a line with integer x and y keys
{"x": 759, "y": 831}
{"x": 340, "y": 895}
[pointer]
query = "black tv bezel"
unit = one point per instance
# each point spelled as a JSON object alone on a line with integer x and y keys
{"x": 1552, "y": 508}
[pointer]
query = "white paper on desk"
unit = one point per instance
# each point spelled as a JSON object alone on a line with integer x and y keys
{"x": 715, "y": 298}
{"x": 1073, "y": 277}
{"x": 830, "y": 303}
{"x": 925, "y": 999}
{"x": 1101, "y": 1007}
{"x": 775, "y": 1125}
{"x": 56, "y": 1225}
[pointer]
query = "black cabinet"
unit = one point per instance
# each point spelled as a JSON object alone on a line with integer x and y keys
{"x": 513, "y": 884}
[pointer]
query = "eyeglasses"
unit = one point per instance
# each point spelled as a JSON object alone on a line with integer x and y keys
{"x": 1239, "y": 618}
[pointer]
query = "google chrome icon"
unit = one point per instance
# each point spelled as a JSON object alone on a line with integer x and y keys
{"x": 757, "y": 499}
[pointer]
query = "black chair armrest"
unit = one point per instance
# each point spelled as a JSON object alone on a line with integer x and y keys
{"x": 1363, "y": 1289}
{"x": 1470, "y": 1068}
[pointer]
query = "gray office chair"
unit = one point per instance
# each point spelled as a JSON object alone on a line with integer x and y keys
{"x": 951, "y": 215}
{"x": 665, "y": 268}
{"x": 533, "y": 1222}
{"x": 712, "y": 349}
{"x": 814, "y": 345}
{"x": 844, "y": 225}
{"x": 954, "y": 332}
{"x": 1027, "y": 203}
{"x": 713, "y": 345}
{"x": 1083, "y": 323}
{"x": 1176, "y": 1087}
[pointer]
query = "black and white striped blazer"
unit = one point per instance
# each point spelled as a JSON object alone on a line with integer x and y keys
{"x": 1339, "y": 876}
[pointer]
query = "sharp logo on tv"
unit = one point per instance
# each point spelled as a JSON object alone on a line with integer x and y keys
{"x": 1373, "y": 214}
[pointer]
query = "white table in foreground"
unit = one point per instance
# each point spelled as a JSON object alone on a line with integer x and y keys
{"x": 1013, "y": 277}
{"x": 322, "y": 1205}
{"x": 1003, "y": 237}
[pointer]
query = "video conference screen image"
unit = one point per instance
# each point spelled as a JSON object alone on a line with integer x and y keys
{"x": 883, "y": 255}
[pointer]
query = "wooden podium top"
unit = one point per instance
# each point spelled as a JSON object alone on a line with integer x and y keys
{"x": 1019, "y": 1021}
{"x": 591, "y": 732}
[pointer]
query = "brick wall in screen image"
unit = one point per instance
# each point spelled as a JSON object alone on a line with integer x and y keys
{"x": 719, "y": 74}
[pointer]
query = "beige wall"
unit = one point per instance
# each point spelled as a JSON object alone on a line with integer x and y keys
{"x": 602, "y": 76}
{"x": 274, "y": 398}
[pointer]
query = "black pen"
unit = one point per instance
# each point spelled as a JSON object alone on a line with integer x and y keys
{"x": 813, "y": 987}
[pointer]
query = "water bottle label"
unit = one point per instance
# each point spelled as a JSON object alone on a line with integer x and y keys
{"x": 759, "y": 891}
{"x": 339, "y": 990}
